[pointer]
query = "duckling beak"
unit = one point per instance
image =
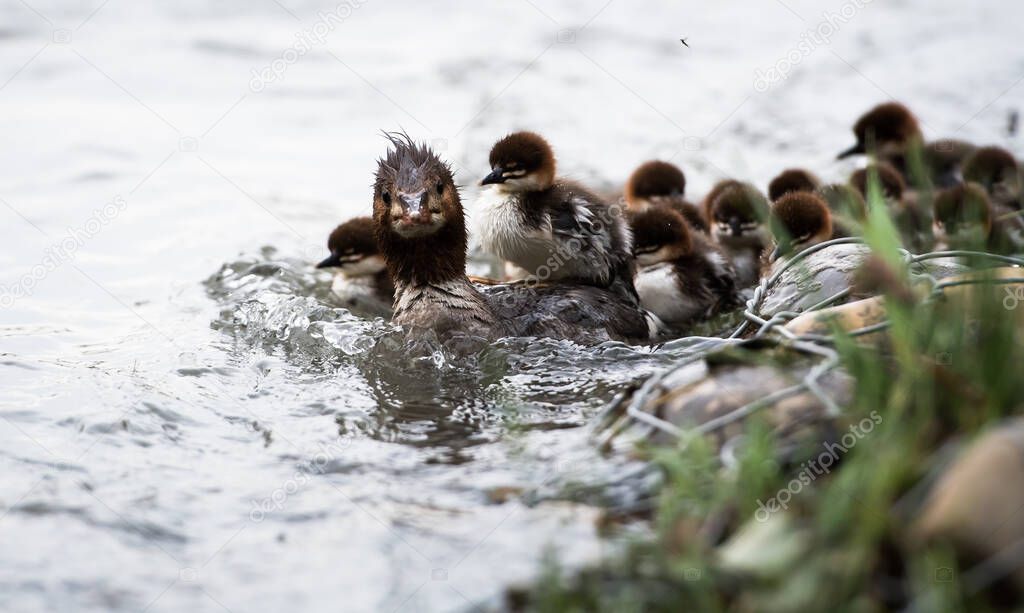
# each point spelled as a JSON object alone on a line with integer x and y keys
{"x": 496, "y": 176}
{"x": 854, "y": 150}
{"x": 736, "y": 226}
{"x": 775, "y": 253}
{"x": 332, "y": 260}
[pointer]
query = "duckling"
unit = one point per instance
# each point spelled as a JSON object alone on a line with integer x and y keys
{"x": 895, "y": 135}
{"x": 966, "y": 219}
{"x": 658, "y": 183}
{"x": 995, "y": 169}
{"x": 553, "y": 228}
{"x": 798, "y": 220}
{"x": 801, "y": 220}
{"x": 421, "y": 230}
{"x": 912, "y": 219}
{"x": 848, "y": 208}
{"x": 792, "y": 180}
{"x": 681, "y": 276}
{"x": 737, "y": 213}
{"x": 361, "y": 279}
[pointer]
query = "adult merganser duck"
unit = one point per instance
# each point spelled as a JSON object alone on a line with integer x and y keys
{"x": 421, "y": 230}
{"x": 554, "y": 229}
{"x": 361, "y": 279}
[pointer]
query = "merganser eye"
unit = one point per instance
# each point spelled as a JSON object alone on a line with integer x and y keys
{"x": 386, "y": 197}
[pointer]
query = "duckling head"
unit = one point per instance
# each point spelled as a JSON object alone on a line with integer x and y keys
{"x": 737, "y": 213}
{"x": 889, "y": 178}
{"x": 962, "y": 217}
{"x": 652, "y": 181}
{"x": 659, "y": 235}
{"x": 799, "y": 220}
{"x": 996, "y": 170}
{"x": 792, "y": 180}
{"x": 521, "y": 162}
{"x": 888, "y": 127}
{"x": 354, "y": 250}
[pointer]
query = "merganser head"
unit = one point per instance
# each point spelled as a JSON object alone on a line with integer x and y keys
{"x": 888, "y": 127}
{"x": 737, "y": 212}
{"x": 521, "y": 162}
{"x": 659, "y": 235}
{"x": 652, "y": 181}
{"x": 799, "y": 220}
{"x": 996, "y": 170}
{"x": 962, "y": 217}
{"x": 419, "y": 222}
{"x": 844, "y": 200}
{"x": 792, "y": 180}
{"x": 354, "y": 250}
{"x": 891, "y": 181}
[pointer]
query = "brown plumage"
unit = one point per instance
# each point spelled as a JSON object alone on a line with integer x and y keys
{"x": 799, "y": 220}
{"x": 362, "y": 279}
{"x": 792, "y": 180}
{"x": 963, "y": 217}
{"x": 681, "y": 276}
{"x": 889, "y": 178}
{"x": 996, "y": 170}
{"x": 890, "y": 126}
{"x": 527, "y": 153}
{"x": 737, "y": 213}
{"x": 355, "y": 236}
{"x": 657, "y": 183}
{"x": 849, "y": 210}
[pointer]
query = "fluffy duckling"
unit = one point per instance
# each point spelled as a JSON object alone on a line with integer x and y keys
{"x": 894, "y": 135}
{"x": 552, "y": 228}
{"x": 421, "y": 230}
{"x": 361, "y": 278}
{"x": 658, "y": 183}
{"x": 911, "y": 219}
{"x": 996, "y": 170}
{"x": 792, "y": 180}
{"x": 965, "y": 218}
{"x": 681, "y": 276}
{"x": 737, "y": 213}
{"x": 798, "y": 220}
{"x": 801, "y": 220}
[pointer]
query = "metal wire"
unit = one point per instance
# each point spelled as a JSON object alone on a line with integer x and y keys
{"x": 773, "y": 329}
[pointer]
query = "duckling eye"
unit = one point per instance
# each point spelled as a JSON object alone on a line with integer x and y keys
{"x": 386, "y": 197}
{"x": 439, "y": 188}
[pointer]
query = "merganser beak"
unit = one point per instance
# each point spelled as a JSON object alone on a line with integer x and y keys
{"x": 332, "y": 260}
{"x": 854, "y": 150}
{"x": 496, "y": 176}
{"x": 413, "y": 205}
{"x": 736, "y": 226}
{"x": 775, "y": 253}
